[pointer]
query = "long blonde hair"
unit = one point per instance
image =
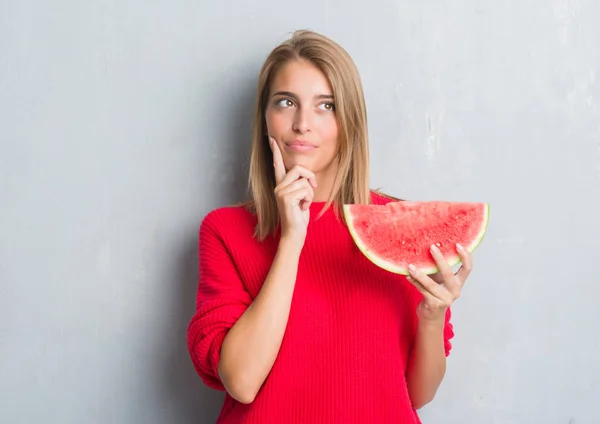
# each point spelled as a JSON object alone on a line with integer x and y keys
{"x": 351, "y": 184}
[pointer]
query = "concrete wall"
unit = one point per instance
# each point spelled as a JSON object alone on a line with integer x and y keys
{"x": 123, "y": 123}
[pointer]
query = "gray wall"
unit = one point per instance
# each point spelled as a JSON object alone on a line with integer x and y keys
{"x": 123, "y": 123}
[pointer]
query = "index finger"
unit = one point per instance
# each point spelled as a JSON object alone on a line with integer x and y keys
{"x": 277, "y": 161}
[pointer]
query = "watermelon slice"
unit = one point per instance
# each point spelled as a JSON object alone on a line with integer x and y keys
{"x": 400, "y": 233}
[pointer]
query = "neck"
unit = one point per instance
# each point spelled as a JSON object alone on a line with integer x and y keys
{"x": 325, "y": 180}
{"x": 322, "y": 193}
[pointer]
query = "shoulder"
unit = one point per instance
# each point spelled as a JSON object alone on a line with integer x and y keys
{"x": 228, "y": 220}
{"x": 380, "y": 198}
{"x": 219, "y": 214}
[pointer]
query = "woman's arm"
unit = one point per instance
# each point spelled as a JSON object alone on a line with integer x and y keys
{"x": 251, "y": 346}
{"x": 427, "y": 363}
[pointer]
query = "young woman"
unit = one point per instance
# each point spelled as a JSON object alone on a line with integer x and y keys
{"x": 292, "y": 321}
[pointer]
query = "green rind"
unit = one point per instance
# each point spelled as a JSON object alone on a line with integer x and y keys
{"x": 452, "y": 261}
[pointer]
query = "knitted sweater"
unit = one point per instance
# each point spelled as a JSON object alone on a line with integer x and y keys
{"x": 346, "y": 346}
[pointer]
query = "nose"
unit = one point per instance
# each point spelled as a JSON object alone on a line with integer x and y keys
{"x": 301, "y": 121}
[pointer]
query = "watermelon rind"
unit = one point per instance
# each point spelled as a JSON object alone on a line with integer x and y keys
{"x": 396, "y": 269}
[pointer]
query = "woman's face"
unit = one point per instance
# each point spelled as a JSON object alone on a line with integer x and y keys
{"x": 301, "y": 117}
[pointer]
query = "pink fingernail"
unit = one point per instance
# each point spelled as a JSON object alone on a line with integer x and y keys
{"x": 459, "y": 246}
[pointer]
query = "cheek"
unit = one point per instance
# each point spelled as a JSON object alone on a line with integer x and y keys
{"x": 277, "y": 123}
{"x": 329, "y": 133}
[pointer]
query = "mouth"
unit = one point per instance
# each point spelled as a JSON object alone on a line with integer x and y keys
{"x": 300, "y": 145}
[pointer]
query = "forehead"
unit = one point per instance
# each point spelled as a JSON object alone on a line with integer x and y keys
{"x": 301, "y": 77}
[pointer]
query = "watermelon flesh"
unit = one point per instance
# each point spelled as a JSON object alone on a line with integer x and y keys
{"x": 401, "y": 233}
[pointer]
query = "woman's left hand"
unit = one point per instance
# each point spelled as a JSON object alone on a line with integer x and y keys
{"x": 440, "y": 290}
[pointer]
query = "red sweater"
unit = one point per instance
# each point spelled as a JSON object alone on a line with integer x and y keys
{"x": 351, "y": 325}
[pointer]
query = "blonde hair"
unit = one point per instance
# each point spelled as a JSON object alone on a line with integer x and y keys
{"x": 351, "y": 184}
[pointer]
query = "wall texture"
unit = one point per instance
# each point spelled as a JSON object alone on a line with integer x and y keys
{"x": 123, "y": 123}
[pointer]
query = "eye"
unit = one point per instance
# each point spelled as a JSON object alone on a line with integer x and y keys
{"x": 327, "y": 106}
{"x": 284, "y": 103}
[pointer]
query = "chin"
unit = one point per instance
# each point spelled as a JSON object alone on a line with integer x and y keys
{"x": 308, "y": 164}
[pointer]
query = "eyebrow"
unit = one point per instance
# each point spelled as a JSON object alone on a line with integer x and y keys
{"x": 290, "y": 94}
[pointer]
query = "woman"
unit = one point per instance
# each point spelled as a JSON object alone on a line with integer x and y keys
{"x": 292, "y": 321}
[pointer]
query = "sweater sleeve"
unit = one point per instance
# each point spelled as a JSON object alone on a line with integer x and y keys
{"x": 448, "y": 332}
{"x": 220, "y": 300}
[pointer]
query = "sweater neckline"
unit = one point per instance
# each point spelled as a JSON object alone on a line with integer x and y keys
{"x": 316, "y": 208}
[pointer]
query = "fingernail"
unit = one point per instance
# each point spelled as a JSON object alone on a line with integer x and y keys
{"x": 434, "y": 248}
{"x": 459, "y": 246}
{"x": 412, "y": 268}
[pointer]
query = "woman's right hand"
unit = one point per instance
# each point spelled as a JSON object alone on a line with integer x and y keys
{"x": 294, "y": 191}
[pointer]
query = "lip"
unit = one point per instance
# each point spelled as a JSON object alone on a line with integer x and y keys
{"x": 300, "y": 145}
